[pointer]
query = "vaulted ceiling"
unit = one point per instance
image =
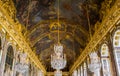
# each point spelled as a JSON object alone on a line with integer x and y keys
{"x": 39, "y": 18}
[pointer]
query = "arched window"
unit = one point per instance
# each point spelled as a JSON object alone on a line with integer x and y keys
{"x": 105, "y": 60}
{"x": 9, "y": 58}
{"x": 116, "y": 45}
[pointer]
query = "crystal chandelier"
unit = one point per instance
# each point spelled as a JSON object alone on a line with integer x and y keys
{"x": 22, "y": 66}
{"x": 58, "y": 58}
{"x": 95, "y": 65}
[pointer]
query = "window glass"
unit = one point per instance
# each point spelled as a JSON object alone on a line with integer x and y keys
{"x": 9, "y": 58}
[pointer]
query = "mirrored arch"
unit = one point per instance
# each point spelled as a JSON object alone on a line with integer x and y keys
{"x": 116, "y": 46}
{"x": 105, "y": 59}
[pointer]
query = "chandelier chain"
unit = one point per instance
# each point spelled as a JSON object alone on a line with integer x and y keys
{"x": 58, "y": 23}
{"x": 58, "y": 59}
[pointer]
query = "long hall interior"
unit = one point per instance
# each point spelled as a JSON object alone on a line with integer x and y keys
{"x": 59, "y": 37}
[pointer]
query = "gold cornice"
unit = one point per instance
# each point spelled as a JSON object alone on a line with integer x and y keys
{"x": 14, "y": 30}
{"x": 107, "y": 24}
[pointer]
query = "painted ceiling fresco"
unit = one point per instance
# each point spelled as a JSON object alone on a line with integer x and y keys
{"x": 37, "y": 16}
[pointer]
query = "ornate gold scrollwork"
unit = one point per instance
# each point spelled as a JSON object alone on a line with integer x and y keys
{"x": 13, "y": 28}
{"x": 107, "y": 24}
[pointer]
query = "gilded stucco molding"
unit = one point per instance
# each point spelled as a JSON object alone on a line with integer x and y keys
{"x": 107, "y": 24}
{"x": 13, "y": 28}
{"x": 9, "y": 7}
